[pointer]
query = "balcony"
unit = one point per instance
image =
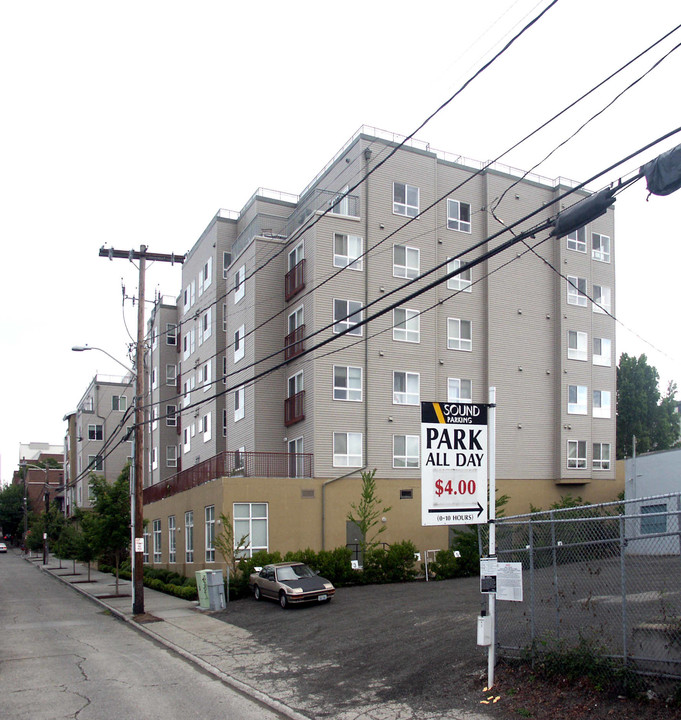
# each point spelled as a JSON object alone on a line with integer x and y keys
{"x": 232, "y": 464}
{"x": 294, "y": 343}
{"x": 294, "y": 280}
{"x": 294, "y": 408}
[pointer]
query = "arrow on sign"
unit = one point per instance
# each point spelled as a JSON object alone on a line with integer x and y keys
{"x": 477, "y": 509}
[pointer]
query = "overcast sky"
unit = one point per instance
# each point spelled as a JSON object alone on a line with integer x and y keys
{"x": 131, "y": 123}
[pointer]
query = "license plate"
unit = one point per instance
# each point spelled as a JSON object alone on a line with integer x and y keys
{"x": 322, "y": 597}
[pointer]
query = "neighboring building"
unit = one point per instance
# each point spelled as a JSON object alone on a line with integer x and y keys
{"x": 70, "y": 461}
{"x": 546, "y": 342}
{"x": 103, "y": 416}
{"x": 41, "y": 475}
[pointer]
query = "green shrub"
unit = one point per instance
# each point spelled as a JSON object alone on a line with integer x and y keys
{"x": 392, "y": 564}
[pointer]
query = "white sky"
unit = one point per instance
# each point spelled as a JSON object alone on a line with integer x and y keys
{"x": 133, "y": 122}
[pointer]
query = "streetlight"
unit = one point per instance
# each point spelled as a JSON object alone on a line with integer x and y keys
{"x": 137, "y": 486}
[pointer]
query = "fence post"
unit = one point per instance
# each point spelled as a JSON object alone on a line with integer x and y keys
{"x": 623, "y": 584}
{"x": 555, "y": 571}
{"x": 532, "y": 619}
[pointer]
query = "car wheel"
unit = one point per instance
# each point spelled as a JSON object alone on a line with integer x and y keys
{"x": 283, "y": 600}
{"x": 256, "y": 593}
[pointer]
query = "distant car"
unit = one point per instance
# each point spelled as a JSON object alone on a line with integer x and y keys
{"x": 290, "y": 583}
{"x": 3, "y": 547}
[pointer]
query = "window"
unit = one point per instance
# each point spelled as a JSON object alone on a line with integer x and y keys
{"x": 405, "y": 451}
{"x": 576, "y": 240}
{"x": 406, "y": 325}
{"x": 226, "y": 262}
{"x": 602, "y": 352}
{"x": 171, "y": 456}
{"x": 171, "y": 334}
{"x": 406, "y": 261}
{"x": 405, "y": 200}
{"x": 157, "y": 541}
{"x": 600, "y": 247}
{"x": 295, "y": 256}
{"x": 187, "y": 441}
{"x": 154, "y": 378}
{"x": 95, "y": 463}
{"x": 154, "y": 418}
{"x": 250, "y": 522}
{"x": 458, "y": 216}
{"x": 459, "y": 334}
{"x": 205, "y": 326}
{"x": 210, "y": 533}
{"x": 172, "y": 543}
{"x": 601, "y": 404}
{"x": 577, "y": 399}
{"x": 206, "y": 276}
{"x": 239, "y": 283}
{"x": 145, "y": 552}
{"x": 154, "y": 338}
{"x": 459, "y": 390}
{"x": 119, "y": 402}
{"x": 656, "y": 523}
{"x": 94, "y": 432}
{"x": 239, "y": 344}
{"x": 601, "y": 303}
{"x": 296, "y": 466}
{"x": 189, "y": 536}
{"x": 295, "y": 384}
{"x": 407, "y": 494}
{"x": 342, "y": 204}
{"x": 189, "y": 343}
{"x": 189, "y": 296}
{"x": 239, "y": 402}
{"x": 171, "y": 374}
{"x": 601, "y": 457}
{"x": 347, "y": 383}
{"x": 205, "y": 374}
{"x": 347, "y": 251}
{"x": 346, "y": 315}
{"x": 206, "y": 427}
{"x": 224, "y": 422}
{"x": 577, "y": 345}
{"x": 576, "y": 454}
{"x": 347, "y": 449}
{"x": 463, "y": 280}
{"x": 405, "y": 388}
{"x": 153, "y": 459}
{"x": 224, "y": 317}
{"x": 576, "y": 291}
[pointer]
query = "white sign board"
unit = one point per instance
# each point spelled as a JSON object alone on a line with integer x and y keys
{"x": 453, "y": 463}
{"x": 510, "y": 581}
{"x": 139, "y": 545}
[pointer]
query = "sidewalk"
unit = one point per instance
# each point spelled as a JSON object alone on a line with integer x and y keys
{"x": 213, "y": 645}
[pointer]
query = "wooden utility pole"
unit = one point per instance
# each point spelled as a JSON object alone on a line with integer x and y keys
{"x": 137, "y": 550}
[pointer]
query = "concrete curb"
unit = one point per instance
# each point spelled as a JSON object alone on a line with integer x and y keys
{"x": 233, "y": 683}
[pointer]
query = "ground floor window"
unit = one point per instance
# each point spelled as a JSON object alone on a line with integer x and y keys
{"x": 157, "y": 541}
{"x": 655, "y": 523}
{"x": 189, "y": 536}
{"x": 172, "y": 544}
{"x": 210, "y": 533}
{"x": 250, "y": 526}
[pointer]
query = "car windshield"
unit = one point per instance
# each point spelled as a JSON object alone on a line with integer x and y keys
{"x": 293, "y": 572}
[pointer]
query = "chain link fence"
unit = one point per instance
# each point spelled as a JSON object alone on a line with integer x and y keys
{"x": 606, "y": 575}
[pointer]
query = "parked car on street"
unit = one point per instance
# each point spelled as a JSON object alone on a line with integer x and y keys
{"x": 3, "y": 547}
{"x": 290, "y": 583}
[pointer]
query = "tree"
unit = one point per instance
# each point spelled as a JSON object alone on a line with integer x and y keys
{"x": 639, "y": 410}
{"x": 367, "y": 513}
{"x": 231, "y": 552}
{"x": 110, "y": 531}
{"x": 12, "y": 510}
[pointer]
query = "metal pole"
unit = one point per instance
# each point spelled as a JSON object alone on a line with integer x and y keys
{"x": 492, "y": 597}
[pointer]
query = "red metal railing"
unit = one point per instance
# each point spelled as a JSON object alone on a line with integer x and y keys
{"x": 294, "y": 280}
{"x": 294, "y": 408}
{"x": 232, "y": 464}
{"x": 294, "y": 343}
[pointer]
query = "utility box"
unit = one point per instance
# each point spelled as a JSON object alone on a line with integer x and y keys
{"x": 484, "y": 630}
{"x": 216, "y": 590}
{"x": 202, "y": 588}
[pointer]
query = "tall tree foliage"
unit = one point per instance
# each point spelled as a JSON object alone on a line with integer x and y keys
{"x": 12, "y": 510}
{"x": 640, "y": 412}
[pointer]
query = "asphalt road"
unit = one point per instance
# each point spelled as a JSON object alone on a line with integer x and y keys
{"x": 61, "y": 656}
{"x": 411, "y": 644}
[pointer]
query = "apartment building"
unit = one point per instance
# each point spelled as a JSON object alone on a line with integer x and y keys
{"x": 310, "y": 406}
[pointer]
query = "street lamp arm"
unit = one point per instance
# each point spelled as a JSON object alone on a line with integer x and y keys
{"x": 83, "y": 348}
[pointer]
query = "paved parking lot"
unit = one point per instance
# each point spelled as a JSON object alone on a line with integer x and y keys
{"x": 411, "y": 644}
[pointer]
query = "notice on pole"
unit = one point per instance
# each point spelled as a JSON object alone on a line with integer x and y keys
{"x": 453, "y": 463}
{"x": 488, "y": 575}
{"x": 510, "y": 581}
{"x": 139, "y": 545}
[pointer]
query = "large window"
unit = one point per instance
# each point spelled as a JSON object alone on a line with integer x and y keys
{"x": 206, "y": 276}
{"x": 459, "y": 390}
{"x": 210, "y": 533}
{"x": 656, "y": 523}
{"x": 458, "y": 215}
{"x": 172, "y": 540}
{"x": 119, "y": 402}
{"x": 189, "y": 536}
{"x": 405, "y": 200}
{"x": 347, "y": 251}
{"x": 600, "y": 247}
{"x": 346, "y": 315}
{"x": 601, "y": 303}
{"x": 601, "y": 456}
{"x": 171, "y": 415}
{"x": 406, "y": 325}
{"x": 171, "y": 374}
{"x": 577, "y": 342}
{"x": 250, "y": 527}
{"x": 206, "y": 427}
{"x": 601, "y": 403}
{"x": 157, "y": 541}
{"x": 577, "y": 399}
{"x": 95, "y": 432}
{"x": 171, "y": 456}
{"x": 347, "y": 383}
{"x": 576, "y": 240}
{"x": 347, "y": 449}
{"x": 576, "y": 454}
{"x": 576, "y": 290}
{"x": 171, "y": 334}
{"x": 602, "y": 353}
{"x": 463, "y": 280}
{"x": 459, "y": 334}
{"x": 406, "y": 261}
{"x": 405, "y": 451}
{"x": 95, "y": 463}
{"x": 406, "y": 388}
